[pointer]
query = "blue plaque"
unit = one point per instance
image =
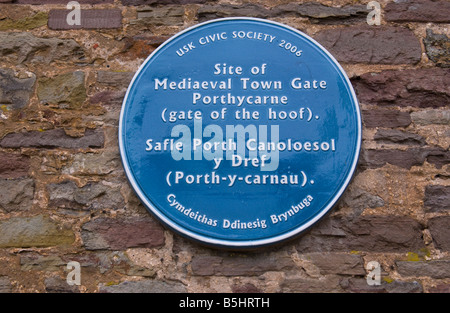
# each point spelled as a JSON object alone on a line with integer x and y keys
{"x": 240, "y": 132}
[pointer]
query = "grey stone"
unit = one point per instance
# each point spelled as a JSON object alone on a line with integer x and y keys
{"x": 337, "y": 263}
{"x": 144, "y": 286}
{"x": 437, "y": 198}
{"x": 438, "y": 269}
{"x": 93, "y": 196}
{"x": 15, "y": 92}
{"x": 359, "y": 285}
{"x": 169, "y": 15}
{"x": 440, "y": 232}
{"x": 433, "y": 116}
{"x": 5, "y": 284}
{"x": 17, "y": 194}
{"x": 398, "y": 137}
{"x": 35, "y": 231}
{"x": 24, "y": 47}
{"x": 56, "y": 284}
{"x": 438, "y": 48}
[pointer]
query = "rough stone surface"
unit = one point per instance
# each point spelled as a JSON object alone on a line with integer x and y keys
{"x": 232, "y": 266}
{"x": 144, "y": 286}
{"x": 385, "y": 118}
{"x": 416, "y": 88}
{"x": 66, "y": 91}
{"x": 398, "y": 137}
{"x": 438, "y": 48}
{"x": 418, "y": 11}
{"x": 365, "y": 233}
{"x": 13, "y": 165}
{"x": 5, "y": 285}
{"x": 165, "y": 15}
{"x": 437, "y": 198}
{"x": 54, "y": 138}
{"x": 371, "y": 45}
{"x": 93, "y": 196}
{"x": 434, "y": 269}
{"x": 440, "y": 231}
{"x": 24, "y": 47}
{"x": 119, "y": 234}
{"x": 428, "y": 117}
{"x": 16, "y": 195}
{"x": 15, "y": 92}
{"x": 360, "y": 285}
{"x": 35, "y": 231}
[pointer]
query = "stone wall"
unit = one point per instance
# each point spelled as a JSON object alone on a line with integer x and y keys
{"x": 64, "y": 195}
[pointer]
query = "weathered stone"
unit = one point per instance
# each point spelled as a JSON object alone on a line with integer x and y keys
{"x": 144, "y": 286}
{"x": 434, "y": 268}
{"x": 360, "y": 285}
{"x": 440, "y": 232}
{"x": 428, "y": 87}
{"x": 90, "y": 19}
{"x": 5, "y": 285}
{"x": 65, "y": 91}
{"x": 320, "y": 13}
{"x": 94, "y": 164}
{"x": 438, "y": 48}
{"x": 13, "y": 165}
{"x": 108, "y": 98}
{"x": 93, "y": 196}
{"x": 403, "y": 158}
{"x": 115, "y": 79}
{"x": 24, "y": 47}
{"x": 39, "y": 2}
{"x": 358, "y": 199}
{"x": 398, "y": 137}
{"x": 375, "y": 45}
{"x": 440, "y": 288}
{"x": 16, "y": 195}
{"x": 36, "y": 231}
{"x": 437, "y": 198}
{"x": 246, "y": 288}
{"x": 15, "y": 92}
{"x": 329, "y": 283}
{"x": 152, "y": 2}
{"x": 365, "y": 233}
{"x": 385, "y": 118}
{"x": 205, "y": 265}
{"x": 169, "y": 15}
{"x": 121, "y": 234}
{"x": 55, "y": 138}
{"x": 429, "y": 117}
{"x": 30, "y": 22}
{"x": 209, "y": 12}
{"x": 36, "y": 262}
{"x": 337, "y": 263}
{"x": 56, "y": 284}
{"x": 429, "y": 11}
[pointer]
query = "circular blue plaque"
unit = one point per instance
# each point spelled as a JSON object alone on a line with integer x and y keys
{"x": 240, "y": 132}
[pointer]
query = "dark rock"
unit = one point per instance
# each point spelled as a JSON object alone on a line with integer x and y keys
{"x": 385, "y": 118}
{"x": 437, "y": 198}
{"x": 13, "y": 165}
{"x": 417, "y": 88}
{"x": 428, "y": 11}
{"x": 398, "y": 137}
{"x": 374, "y": 45}
{"x": 55, "y": 138}
{"x": 440, "y": 232}
{"x": 15, "y": 92}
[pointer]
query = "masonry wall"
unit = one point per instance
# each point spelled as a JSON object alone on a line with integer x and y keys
{"x": 64, "y": 195}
